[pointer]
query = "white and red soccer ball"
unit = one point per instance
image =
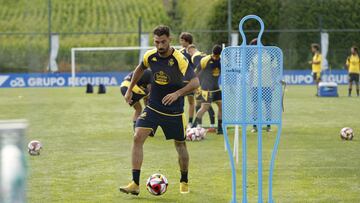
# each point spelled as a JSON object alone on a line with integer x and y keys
{"x": 34, "y": 147}
{"x": 195, "y": 134}
{"x": 347, "y": 133}
{"x": 157, "y": 184}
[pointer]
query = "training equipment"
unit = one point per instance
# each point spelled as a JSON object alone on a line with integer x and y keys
{"x": 252, "y": 95}
{"x": 347, "y": 133}
{"x": 13, "y": 162}
{"x": 102, "y": 89}
{"x": 195, "y": 134}
{"x": 157, "y": 184}
{"x": 89, "y": 88}
{"x": 328, "y": 89}
{"x": 34, "y": 147}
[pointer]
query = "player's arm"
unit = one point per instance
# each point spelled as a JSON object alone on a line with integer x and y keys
{"x": 189, "y": 87}
{"x": 139, "y": 71}
{"x": 347, "y": 62}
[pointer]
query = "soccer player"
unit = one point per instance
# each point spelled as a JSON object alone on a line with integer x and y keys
{"x": 210, "y": 69}
{"x": 185, "y": 40}
{"x": 353, "y": 66}
{"x": 140, "y": 91}
{"x": 316, "y": 65}
{"x": 268, "y": 82}
{"x": 166, "y": 103}
{"x": 196, "y": 57}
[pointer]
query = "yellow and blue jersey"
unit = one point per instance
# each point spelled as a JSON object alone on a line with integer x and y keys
{"x": 316, "y": 68}
{"x": 210, "y": 73}
{"x": 168, "y": 75}
{"x": 196, "y": 58}
{"x": 144, "y": 81}
{"x": 353, "y": 64}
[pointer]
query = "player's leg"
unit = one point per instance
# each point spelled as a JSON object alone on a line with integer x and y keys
{"x": 267, "y": 98}
{"x": 254, "y": 100}
{"x": 138, "y": 109}
{"x": 219, "y": 128}
{"x": 212, "y": 119}
{"x": 350, "y": 84}
{"x": 204, "y": 107}
{"x": 318, "y": 80}
{"x": 137, "y": 158}
{"x": 137, "y": 150}
{"x": 183, "y": 157}
{"x": 357, "y": 84}
{"x": 145, "y": 125}
{"x": 174, "y": 128}
{"x": 197, "y": 108}
{"x": 191, "y": 102}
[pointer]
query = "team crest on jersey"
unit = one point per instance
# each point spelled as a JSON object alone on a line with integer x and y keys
{"x": 171, "y": 62}
{"x": 153, "y": 59}
{"x": 216, "y": 72}
{"x": 161, "y": 78}
{"x": 143, "y": 115}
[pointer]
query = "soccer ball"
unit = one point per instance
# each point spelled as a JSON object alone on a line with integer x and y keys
{"x": 347, "y": 133}
{"x": 34, "y": 148}
{"x": 157, "y": 184}
{"x": 195, "y": 134}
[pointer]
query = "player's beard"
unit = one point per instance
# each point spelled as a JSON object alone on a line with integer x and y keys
{"x": 163, "y": 51}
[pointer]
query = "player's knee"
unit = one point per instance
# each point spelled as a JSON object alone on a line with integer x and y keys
{"x": 140, "y": 136}
{"x": 180, "y": 144}
{"x": 138, "y": 107}
{"x": 191, "y": 101}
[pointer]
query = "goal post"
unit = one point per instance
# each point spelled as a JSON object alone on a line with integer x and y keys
{"x": 76, "y": 50}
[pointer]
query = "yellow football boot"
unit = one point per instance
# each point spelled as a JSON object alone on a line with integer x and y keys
{"x": 184, "y": 188}
{"x": 131, "y": 188}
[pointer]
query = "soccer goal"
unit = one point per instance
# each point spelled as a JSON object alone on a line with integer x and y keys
{"x": 106, "y": 59}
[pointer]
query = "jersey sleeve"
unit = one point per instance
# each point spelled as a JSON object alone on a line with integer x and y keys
{"x": 189, "y": 74}
{"x": 182, "y": 61}
{"x": 145, "y": 62}
{"x": 204, "y": 61}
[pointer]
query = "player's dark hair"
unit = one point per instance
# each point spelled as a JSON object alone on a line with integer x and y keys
{"x": 356, "y": 49}
{"x": 316, "y": 46}
{"x": 216, "y": 50}
{"x": 161, "y": 30}
{"x": 191, "y": 46}
{"x": 187, "y": 37}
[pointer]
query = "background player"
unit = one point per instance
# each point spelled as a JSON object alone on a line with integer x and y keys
{"x": 185, "y": 40}
{"x": 210, "y": 69}
{"x": 269, "y": 80}
{"x": 353, "y": 66}
{"x": 166, "y": 104}
{"x": 316, "y": 65}
{"x": 196, "y": 56}
{"x": 140, "y": 91}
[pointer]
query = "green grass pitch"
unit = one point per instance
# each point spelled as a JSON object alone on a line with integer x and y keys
{"x": 87, "y": 141}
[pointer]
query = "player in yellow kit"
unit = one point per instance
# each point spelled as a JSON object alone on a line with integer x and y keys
{"x": 196, "y": 57}
{"x": 353, "y": 66}
{"x": 316, "y": 65}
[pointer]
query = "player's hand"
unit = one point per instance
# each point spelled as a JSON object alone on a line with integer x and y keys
{"x": 128, "y": 96}
{"x": 310, "y": 62}
{"x": 170, "y": 98}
